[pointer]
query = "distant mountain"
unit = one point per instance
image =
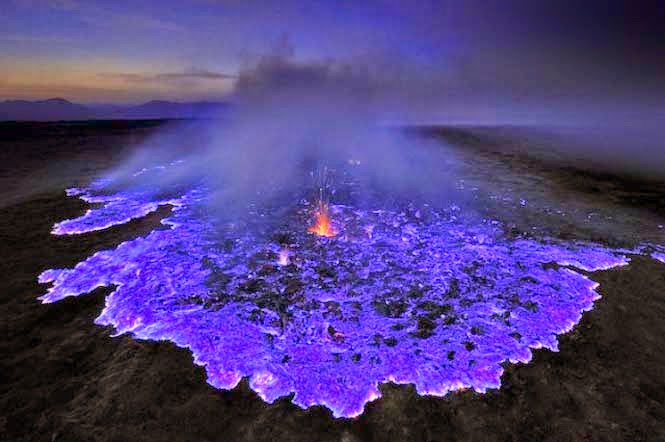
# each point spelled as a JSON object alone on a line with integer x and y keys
{"x": 59, "y": 109}
{"x": 167, "y": 109}
{"x": 45, "y": 110}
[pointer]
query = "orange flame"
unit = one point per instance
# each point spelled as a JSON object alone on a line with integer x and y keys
{"x": 323, "y": 226}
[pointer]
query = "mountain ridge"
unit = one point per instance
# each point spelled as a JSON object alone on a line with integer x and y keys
{"x": 61, "y": 109}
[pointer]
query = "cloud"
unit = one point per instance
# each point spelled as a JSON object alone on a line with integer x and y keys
{"x": 205, "y": 75}
{"x": 121, "y": 20}
{"x": 66, "y": 5}
{"x": 99, "y": 16}
{"x": 195, "y": 74}
{"x": 36, "y": 39}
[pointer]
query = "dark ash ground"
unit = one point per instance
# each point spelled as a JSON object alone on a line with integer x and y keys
{"x": 64, "y": 379}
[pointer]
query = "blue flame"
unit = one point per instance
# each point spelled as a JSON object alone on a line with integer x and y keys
{"x": 437, "y": 301}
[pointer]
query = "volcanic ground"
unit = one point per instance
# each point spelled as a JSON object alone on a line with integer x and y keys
{"x": 422, "y": 321}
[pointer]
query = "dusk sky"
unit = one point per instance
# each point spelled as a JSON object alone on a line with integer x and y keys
{"x": 431, "y": 53}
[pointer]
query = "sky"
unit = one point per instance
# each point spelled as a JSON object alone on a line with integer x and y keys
{"x": 487, "y": 57}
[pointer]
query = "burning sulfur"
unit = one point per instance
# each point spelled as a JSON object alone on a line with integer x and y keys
{"x": 323, "y": 225}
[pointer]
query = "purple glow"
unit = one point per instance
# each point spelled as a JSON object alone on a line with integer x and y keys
{"x": 435, "y": 301}
{"x": 114, "y": 211}
{"x": 657, "y": 251}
